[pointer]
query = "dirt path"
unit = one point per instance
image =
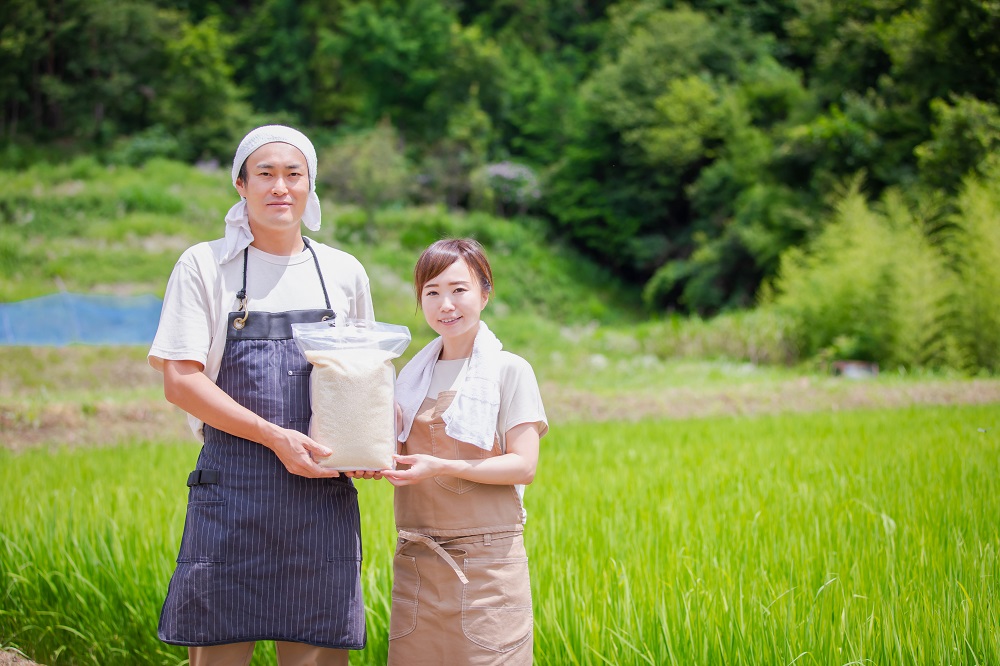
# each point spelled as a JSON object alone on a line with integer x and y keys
{"x": 805, "y": 394}
{"x": 94, "y": 396}
{"x": 148, "y": 417}
{"x": 13, "y": 658}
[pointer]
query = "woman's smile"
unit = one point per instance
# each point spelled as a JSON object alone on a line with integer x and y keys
{"x": 452, "y": 302}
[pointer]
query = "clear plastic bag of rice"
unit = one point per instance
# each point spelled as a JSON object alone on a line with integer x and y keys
{"x": 353, "y": 389}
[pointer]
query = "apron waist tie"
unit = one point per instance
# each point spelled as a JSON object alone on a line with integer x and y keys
{"x": 437, "y": 548}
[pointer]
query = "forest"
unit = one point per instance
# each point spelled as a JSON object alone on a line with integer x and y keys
{"x": 831, "y": 162}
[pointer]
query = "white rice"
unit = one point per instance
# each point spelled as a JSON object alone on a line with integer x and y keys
{"x": 353, "y": 407}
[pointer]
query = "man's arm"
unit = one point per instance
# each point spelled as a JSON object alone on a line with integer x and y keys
{"x": 185, "y": 385}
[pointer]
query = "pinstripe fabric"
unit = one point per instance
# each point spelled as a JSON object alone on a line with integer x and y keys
{"x": 266, "y": 555}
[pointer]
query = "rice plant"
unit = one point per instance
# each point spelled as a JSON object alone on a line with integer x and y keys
{"x": 833, "y": 538}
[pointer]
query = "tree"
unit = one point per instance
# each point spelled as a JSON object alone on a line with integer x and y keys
{"x": 65, "y": 80}
{"x": 369, "y": 170}
{"x": 966, "y": 131}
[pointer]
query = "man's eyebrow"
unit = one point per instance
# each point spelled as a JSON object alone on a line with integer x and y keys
{"x": 268, "y": 165}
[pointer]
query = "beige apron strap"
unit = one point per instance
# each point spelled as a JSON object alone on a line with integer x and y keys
{"x": 436, "y": 547}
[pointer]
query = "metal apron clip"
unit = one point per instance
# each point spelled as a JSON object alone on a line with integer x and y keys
{"x": 240, "y": 322}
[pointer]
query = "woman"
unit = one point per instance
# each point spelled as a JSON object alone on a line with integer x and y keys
{"x": 471, "y": 420}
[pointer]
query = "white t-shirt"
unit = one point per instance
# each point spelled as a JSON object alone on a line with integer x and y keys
{"x": 201, "y": 293}
{"x": 520, "y": 399}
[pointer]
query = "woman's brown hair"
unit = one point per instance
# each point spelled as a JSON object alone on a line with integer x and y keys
{"x": 443, "y": 253}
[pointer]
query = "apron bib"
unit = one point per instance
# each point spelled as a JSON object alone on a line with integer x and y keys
{"x": 461, "y": 592}
{"x": 266, "y": 554}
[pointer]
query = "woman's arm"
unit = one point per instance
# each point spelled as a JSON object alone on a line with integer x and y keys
{"x": 185, "y": 385}
{"x": 516, "y": 467}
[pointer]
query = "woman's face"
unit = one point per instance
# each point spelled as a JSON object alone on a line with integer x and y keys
{"x": 452, "y": 302}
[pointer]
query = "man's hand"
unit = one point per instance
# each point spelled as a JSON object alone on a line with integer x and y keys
{"x": 298, "y": 453}
{"x": 364, "y": 474}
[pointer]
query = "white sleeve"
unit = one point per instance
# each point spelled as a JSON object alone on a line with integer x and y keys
{"x": 185, "y": 329}
{"x": 520, "y": 398}
{"x": 363, "y": 305}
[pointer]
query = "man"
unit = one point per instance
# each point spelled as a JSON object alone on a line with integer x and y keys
{"x": 271, "y": 548}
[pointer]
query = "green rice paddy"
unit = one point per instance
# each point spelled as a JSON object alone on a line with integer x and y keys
{"x": 865, "y": 537}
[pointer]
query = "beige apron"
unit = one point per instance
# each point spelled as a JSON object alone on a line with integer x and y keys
{"x": 460, "y": 593}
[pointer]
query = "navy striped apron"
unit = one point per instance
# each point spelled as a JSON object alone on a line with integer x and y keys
{"x": 266, "y": 554}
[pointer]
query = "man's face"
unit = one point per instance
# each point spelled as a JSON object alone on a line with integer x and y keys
{"x": 277, "y": 187}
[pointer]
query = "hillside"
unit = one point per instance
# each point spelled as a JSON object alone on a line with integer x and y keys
{"x": 84, "y": 227}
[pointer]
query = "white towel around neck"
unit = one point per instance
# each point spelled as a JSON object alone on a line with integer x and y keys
{"x": 472, "y": 415}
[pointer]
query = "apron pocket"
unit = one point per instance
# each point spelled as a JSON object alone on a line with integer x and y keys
{"x": 444, "y": 446}
{"x": 496, "y": 603}
{"x": 297, "y": 402}
{"x": 340, "y": 522}
{"x": 205, "y": 531}
{"x": 405, "y": 588}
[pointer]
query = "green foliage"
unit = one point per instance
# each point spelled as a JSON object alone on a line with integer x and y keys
{"x": 369, "y": 170}
{"x": 447, "y": 167}
{"x": 82, "y": 226}
{"x": 760, "y": 336}
{"x": 873, "y": 287}
{"x": 964, "y": 134}
{"x": 670, "y": 178}
{"x": 532, "y": 275}
{"x": 684, "y": 145}
{"x": 273, "y": 51}
{"x": 199, "y": 103}
{"x": 505, "y": 188}
{"x": 395, "y": 55}
{"x": 154, "y": 142}
{"x": 974, "y": 249}
{"x": 59, "y": 78}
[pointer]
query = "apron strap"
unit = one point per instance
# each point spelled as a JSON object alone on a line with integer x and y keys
{"x": 241, "y": 295}
{"x": 318, "y": 271}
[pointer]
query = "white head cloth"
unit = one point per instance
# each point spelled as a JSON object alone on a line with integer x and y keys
{"x": 238, "y": 234}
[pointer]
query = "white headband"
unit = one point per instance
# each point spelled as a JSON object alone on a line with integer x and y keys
{"x": 238, "y": 234}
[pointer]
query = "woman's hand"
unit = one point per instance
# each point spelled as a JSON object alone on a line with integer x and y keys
{"x": 517, "y": 466}
{"x": 421, "y": 466}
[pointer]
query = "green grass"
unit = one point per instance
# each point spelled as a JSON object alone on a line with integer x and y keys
{"x": 864, "y": 537}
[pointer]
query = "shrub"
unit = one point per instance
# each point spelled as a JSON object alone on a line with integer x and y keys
{"x": 974, "y": 247}
{"x": 870, "y": 287}
{"x": 761, "y": 336}
{"x": 505, "y": 188}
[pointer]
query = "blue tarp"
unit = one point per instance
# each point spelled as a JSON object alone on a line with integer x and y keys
{"x": 95, "y": 319}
